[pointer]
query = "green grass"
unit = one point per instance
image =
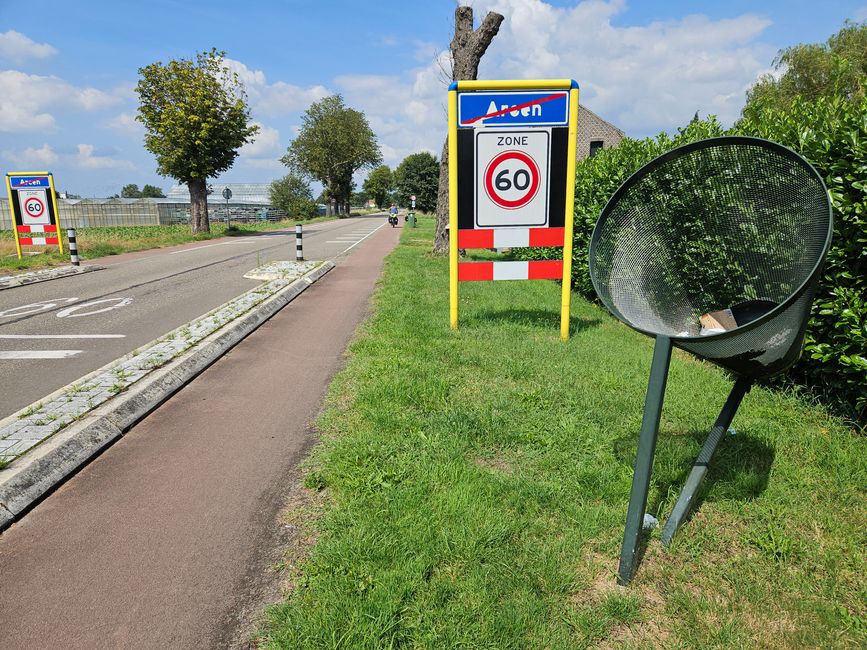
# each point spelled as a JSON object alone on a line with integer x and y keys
{"x": 101, "y": 242}
{"x": 475, "y": 486}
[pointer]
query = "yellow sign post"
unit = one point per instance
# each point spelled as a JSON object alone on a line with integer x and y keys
{"x": 33, "y": 210}
{"x": 512, "y": 147}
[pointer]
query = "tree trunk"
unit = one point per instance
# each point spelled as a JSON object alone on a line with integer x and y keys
{"x": 467, "y": 49}
{"x": 199, "y": 205}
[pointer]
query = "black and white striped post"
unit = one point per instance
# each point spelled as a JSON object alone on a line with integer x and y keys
{"x": 299, "y": 246}
{"x": 73, "y": 247}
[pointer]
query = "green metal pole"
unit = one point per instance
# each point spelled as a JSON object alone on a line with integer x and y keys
{"x": 699, "y": 467}
{"x": 644, "y": 458}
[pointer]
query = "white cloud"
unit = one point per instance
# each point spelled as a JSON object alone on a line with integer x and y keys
{"x": 26, "y": 98}
{"x": 126, "y": 124}
{"x": 275, "y": 99}
{"x": 266, "y": 143}
{"x": 16, "y": 47}
{"x": 272, "y": 164}
{"x": 643, "y": 78}
{"x": 32, "y": 158}
{"x": 87, "y": 159}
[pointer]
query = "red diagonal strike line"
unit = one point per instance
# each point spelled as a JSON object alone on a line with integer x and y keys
{"x": 541, "y": 100}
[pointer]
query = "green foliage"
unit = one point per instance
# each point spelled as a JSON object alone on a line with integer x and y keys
{"x": 379, "y": 184}
{"x": 596, "y": 180}
{"x": 334, "y": 143}
{"x": 837, "y": 68}
{"x": 152, "y": 192}
{"x": 292, "y": 194}
{"x": 418, "y": 174}
{"x": 195, "y": 115}
{"x": 832, "y": 134}
{"x": 131, "y": 191}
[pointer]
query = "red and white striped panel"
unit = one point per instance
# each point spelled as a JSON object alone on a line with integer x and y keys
{"x": 532, "y": 270}
{"x": 45, "y": 228}
{"x": 510, "y": 237}
{"x": 37, "y": 241}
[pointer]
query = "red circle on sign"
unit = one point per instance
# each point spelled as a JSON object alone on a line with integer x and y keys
{"x": 35, "y": 203}
{"x": 532, "y": 188}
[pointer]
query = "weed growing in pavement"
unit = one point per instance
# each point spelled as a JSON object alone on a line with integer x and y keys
{"x": 479, "y": 481}
{"x": 30, "y": 410}
{"x": 116, "y": 388}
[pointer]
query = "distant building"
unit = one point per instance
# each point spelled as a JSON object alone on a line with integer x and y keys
{"x": 252, "y": 193}
{"x": 594, "y": 133}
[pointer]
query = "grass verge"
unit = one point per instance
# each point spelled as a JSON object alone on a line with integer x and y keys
{"x": 101, "y": 242}
{"x": 477, "y": 484}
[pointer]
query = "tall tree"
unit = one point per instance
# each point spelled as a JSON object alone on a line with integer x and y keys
{"x": 196, "y": 118}
{"x": 418, "y": 175}
{"x": 467, "y": 49}
{"x": 379, "y": 184}
{"x": 152, "y": 192}
{"x": 292, "y": 194}
{"x": 130, "y": 191}
{"x": 333, "y": 144}
{"x": 835, "y": 68}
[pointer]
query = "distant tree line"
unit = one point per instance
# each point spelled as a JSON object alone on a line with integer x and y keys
{"x": 131, "y": 191}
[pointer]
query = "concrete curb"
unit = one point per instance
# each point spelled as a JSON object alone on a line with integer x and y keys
{"x": 32, "y": 277}
{"x": 34, "y": 474}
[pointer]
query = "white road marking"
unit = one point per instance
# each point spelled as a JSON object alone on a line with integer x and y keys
{"x": 247, "y": 240}
{"x": 35, "y": 307}
{"x": 62, "y": 336}
{"x": 37, "y": 354}
{"x": 361, "y": 240}
{"x": 70, "y": 311}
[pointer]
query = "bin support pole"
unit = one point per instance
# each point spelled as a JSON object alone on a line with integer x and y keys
{"x": 644, "y": 458}
{"x": 699, "y": 467}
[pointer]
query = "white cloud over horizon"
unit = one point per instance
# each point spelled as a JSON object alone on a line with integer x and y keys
{"x": 642, "y": 78}
{"x": 26, "y": 99}
{"x": 274, "y": 99}
{"x": 16, "y": 47}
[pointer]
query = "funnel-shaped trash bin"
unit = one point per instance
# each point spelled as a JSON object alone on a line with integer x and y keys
{"x": 715, "y": 247}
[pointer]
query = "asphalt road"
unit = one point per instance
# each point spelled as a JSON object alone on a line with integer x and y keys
{"x": 54, "y": 332}
{"x": 169, "y": 538}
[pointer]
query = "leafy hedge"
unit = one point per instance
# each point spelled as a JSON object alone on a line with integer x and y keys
{"x": 832, "y": 134}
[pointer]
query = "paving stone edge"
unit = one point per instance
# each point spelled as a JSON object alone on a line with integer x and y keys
{"x": 43, "y": 275}
{"x": 34, "y": 474}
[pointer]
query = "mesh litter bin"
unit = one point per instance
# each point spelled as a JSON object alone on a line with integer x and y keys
{"x": 715, "y": 247}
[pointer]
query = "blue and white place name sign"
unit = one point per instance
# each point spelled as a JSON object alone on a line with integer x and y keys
{"x": 513, "y": 108}
{"x": 24, "y": 182}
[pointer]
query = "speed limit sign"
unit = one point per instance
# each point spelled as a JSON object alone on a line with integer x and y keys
{"x": 33, "y": 207}
{"x": 512, "y": 178}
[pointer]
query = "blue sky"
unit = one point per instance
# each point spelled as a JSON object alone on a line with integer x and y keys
{"x": 68, "y": 70}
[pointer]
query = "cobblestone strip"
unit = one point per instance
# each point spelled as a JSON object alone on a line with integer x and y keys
{"x": 34, "y": 424}
{"x": 32, "y": 277}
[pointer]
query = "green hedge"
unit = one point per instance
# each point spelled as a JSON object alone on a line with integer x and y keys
{"x": 832, "y": 135}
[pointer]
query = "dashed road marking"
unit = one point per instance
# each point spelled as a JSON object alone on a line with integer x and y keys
{"x": 62, "y": 336}
{"x": 37, "y": 354}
